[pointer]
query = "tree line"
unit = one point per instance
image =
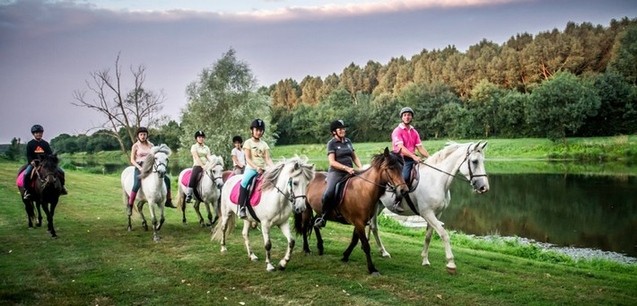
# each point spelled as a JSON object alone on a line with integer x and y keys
{"x": 581, "y": 81}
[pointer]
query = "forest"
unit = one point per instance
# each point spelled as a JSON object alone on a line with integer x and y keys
{"x": 580, "y": 81}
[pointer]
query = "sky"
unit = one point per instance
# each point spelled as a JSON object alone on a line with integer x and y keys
{"x": 48, "y": 49}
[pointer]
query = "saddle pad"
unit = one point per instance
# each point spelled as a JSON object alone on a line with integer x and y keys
{"x": 255, "y": 196}
{"x": 19, "y": 181}
{"x": 185, "y": 180}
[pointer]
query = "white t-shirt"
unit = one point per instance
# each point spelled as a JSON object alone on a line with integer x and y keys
{"x": 240, "y": 156}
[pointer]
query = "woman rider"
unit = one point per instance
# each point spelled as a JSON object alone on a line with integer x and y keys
{"x": 141, "y": 148}
{"x": 342, "y": 157}
{"x": 257, "y": 154}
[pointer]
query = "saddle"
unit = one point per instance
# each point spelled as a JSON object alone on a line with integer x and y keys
{"x": 254, "y": 191}
{"x": 19, "y": 181}
{"x": 185, "y": 180}
{"x": 414, "y": 177}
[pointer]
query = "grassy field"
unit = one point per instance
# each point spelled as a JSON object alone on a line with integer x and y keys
{"x": 97, "y": 262}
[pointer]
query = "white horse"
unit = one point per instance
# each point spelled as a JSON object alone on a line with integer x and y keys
{"x": 153, "y": 190}
{"x": 208, "y": 189}
{"x": 431, "y": 196}
{"x": 283, "y": 192}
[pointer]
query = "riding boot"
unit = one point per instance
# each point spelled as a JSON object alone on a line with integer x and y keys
{"x": 243, "y": 195}
{"x": 327, "y": 207}
{"x": 27, "y": 193}
{"x": 188, "y": 194}
{"x": 64, "y": 191}
{"x": 169, "y": 200}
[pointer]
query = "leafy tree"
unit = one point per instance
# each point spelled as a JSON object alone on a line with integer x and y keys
{"x": 561, "y": 105}
{"x": 616, "y": 114}
{"x": 624, "y": 60}
{"x": 223, "y": 102}
{"x": 14, "y": 152}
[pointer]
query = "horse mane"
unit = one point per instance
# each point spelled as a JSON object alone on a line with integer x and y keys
{"x": 147, "y": 166}
{"x": 50, "y": 162}
{"x": 215, "y": 160}
{"x": 271, "y": 175}
{"x": 378, "y": 159}
{"x": 441, "y": 155}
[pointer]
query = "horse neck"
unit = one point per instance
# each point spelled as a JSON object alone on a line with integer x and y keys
{"x": 152, "y": 179}
{"x": 373, "y": 176}
{"x": 451, "y": 164}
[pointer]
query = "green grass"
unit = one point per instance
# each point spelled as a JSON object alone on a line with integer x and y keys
{"x": 97, "y": 262}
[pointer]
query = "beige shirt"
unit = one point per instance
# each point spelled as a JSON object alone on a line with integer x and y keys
{"x": 202, "y": 151}
{"x": 257, "y": 150}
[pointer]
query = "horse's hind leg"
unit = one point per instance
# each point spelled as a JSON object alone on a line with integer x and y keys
{"x": 373, "y": 230}
{"x": 285, "y": 229}
{"x": 425, "y": 249}
{"x": 246, "y": 240}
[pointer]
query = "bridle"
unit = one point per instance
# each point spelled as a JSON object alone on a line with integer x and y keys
{"x": 291, "y": 197}
{"x": 391, "y": 186}
{"x": 466, "y": 159}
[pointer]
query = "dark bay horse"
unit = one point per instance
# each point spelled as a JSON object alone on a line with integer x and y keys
{"x": 357, "y": 206}
{"x": 46, "y": 194}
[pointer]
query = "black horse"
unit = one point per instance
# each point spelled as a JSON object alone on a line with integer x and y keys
{"x": 46, "y": 192}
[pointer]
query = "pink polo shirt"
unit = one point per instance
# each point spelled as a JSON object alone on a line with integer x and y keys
{"x": 408, "y": 137}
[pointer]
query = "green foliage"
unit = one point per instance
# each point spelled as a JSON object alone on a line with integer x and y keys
{"x": 15, "y": 151}
{"x": 223, "y": 102}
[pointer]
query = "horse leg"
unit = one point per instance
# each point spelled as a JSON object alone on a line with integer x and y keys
{"x": 223, "y": 225}
{"x": 351, "y": 246}
{"x": 425, "y": 250}
{"x": 267, "y": 244}
{"x": 129, "y": 212}
{"x": 285, "y": 229}
{"x": 373, "y": 229}
{"x": 306, "y": 228}
{"x": 182, "y": 202}
{"x": 49, "y": 220}
{"x": 38, "y": 206}
{"x": 28, "y": 207}
{"x": 433, "y": 221}
{"x": 319, "y": 240}
{"x": 155, "y": 222}
{"x": 209, "y": 214}
{"x": 246, "y": 240}
{"x": 360, "y": 230}
{"x": 140, "y": 209}
{"x": 196, "y": 206}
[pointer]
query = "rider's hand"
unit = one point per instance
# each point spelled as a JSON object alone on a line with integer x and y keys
{"x": 417, "y": 158}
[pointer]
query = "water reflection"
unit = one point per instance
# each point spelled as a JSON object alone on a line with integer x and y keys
{"x": 566, "y": 210}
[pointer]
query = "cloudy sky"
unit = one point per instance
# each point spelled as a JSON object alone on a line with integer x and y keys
{"x": 49, "y": 48}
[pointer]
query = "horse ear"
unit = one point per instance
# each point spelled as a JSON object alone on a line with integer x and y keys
{"x": 296, "y": 166}
{"x": 484, "y": 145}
{"x": 386, "y": 153}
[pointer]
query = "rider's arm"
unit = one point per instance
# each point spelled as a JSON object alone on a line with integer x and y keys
{"x": 356, "y": 160}
{"x": 133, "y": 153}
{"x": 338, "y": 166}
{"x": 422, "y": 151}
{"x": 195, "y": 156}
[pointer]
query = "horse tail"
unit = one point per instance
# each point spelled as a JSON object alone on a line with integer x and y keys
{"x": 302, "y": 222}
{"x": 181, "y": 200}
{"x": 216, "y": 234}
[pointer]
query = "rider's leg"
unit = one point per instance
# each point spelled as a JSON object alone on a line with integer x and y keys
{"x": 192, "y": 183}
{"x": 169, "y": 198}
{"x": 62, "y": 180}
{"x": 26, "y": 181}
{"x": 243, "y": 192}
{"x": 136, "y": 185}
{"x": 327, "y": 202}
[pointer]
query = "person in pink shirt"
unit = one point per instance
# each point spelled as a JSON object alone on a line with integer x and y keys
{"x": 406, "y": 141}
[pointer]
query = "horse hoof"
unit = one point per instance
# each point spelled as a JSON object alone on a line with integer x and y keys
{"x": 451, "y": 271}
{"x": 254, "y": 257}
{"x": 375, "y": 274}
{"x": 270, "y": 268}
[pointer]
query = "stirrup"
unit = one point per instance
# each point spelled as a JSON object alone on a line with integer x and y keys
{"x": 26, "y": 196}
{"x": 64, "y": 191}
{"x": 397, "y": 207}
{"x": 319, "y": 222}
{"x": 188, "y": 198}
{"x": 242, "y": 212}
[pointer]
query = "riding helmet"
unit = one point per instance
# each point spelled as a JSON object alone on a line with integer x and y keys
{"x": 258, "y": 123}
{"x": 37, "y": 129}
{"x": 141, "y": 129}
{"x": 199, "y": 133}
{"x": 337, "y": 124}
{"x": 237, "y": 139}
{"x": 406, "y": 110}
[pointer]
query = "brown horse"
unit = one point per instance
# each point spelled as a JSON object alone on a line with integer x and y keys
{"x": 358, "y": 204}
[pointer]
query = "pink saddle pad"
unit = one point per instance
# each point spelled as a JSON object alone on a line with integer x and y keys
{"x": 19, "y": 181}
{"x": 185, "y": 180}
{"x": 255, "y": 197}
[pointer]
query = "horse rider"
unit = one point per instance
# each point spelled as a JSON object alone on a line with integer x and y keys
{"x": 342, "y": 157}
{"x": 140, "y": 149}
{"x": 200, "y": 156}
{"x": 238, "y": 157}
{"x": 37, "y": 149}
{"x": 406, "y": 141}
{"x": 257, "y": 154}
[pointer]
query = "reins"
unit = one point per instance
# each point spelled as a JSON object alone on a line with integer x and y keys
{"x": 466, "y": 158}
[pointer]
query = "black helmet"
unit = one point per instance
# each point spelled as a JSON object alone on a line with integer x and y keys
{"x": 258, "y": 123}
{"x": 237, "y": 139}
{"x": 337, "y": 124}
{"x": 199, "y": 133}
{"x": 37, "y": 128}
{"x": 406, "y": 110}
{"x": 141, "y": 129}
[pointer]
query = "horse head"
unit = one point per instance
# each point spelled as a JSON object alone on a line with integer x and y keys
{"x": 48, "y": 174}
{"x": 214, "y": 169}
{"x": 156, "y": 161}
{"x": 391, "y": 165}
{"x": 475, "y": 171}
{"x": 291, "y": 178}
